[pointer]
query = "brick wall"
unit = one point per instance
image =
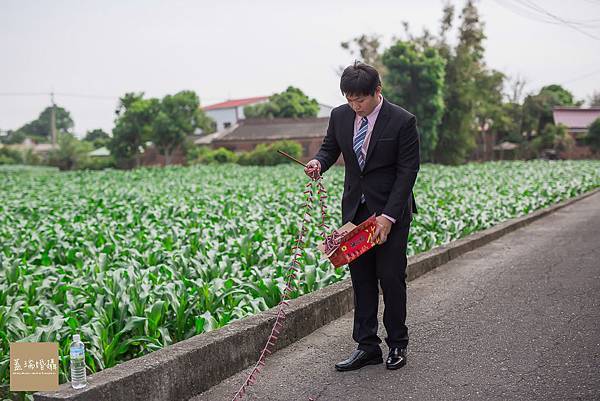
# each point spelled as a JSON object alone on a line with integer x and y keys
{"x": 151, "y": 157}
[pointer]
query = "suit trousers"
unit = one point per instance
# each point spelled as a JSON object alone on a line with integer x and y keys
{"x": 386, "y": 264}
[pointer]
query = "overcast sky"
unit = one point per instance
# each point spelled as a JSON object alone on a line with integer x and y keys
{"x": 232, "y": 49}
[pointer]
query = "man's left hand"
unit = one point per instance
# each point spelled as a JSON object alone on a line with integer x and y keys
{"x": 382, "y": 229}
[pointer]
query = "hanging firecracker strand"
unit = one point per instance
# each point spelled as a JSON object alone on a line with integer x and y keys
{"x": 290, "y": 276}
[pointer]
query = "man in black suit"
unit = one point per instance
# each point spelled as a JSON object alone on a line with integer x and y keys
{"x": 380, "y": 145}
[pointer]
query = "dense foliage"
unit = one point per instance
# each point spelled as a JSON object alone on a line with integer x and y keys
{"x": 416, "y": 80}
{"x": 292, "y": 103}
{"x": 473, "y": 99}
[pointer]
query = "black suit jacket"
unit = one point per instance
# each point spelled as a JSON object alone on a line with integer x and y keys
{"x": 391, "y": 164}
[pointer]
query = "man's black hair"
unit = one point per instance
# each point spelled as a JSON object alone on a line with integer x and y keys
{"x": 359, "y": 79}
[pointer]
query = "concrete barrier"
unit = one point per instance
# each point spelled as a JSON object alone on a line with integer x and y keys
{"x": 188, "y": 368}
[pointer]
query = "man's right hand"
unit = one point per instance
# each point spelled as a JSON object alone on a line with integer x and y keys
{"x": 313, "y": 169}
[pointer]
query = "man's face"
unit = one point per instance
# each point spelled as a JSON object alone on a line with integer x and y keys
{"x": 363, "y": 105}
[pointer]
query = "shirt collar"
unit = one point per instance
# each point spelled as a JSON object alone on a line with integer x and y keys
{"x": 375, "y": 111}
{"x": 377, "y": 108}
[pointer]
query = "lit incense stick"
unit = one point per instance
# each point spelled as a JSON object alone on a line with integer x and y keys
{"x": 291, "y": 158}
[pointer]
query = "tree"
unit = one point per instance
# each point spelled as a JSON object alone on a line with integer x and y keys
{"x": 70, "y": 152}
{"x": 96, "y": 134}
{"x": 415, "y": 80}
{"x": 517, "y": 85}
{"x": 552, "y": 137}
{"x": 445, "y": 26}
{"x": 464, "y": 65}
{"x": 10, "y": 156}
{"x": 489, "y": 111}
{"x": 220, "y": 155}
{"x": 133, "y": 127}
{"x": 97, "y": 137}
{"x": 365, "y": 48}
{"x": 464, "y": 102}
{"x": 592, "y": 139}
{"x": 178, "y": 116}
{"x": 40, "y": 127}
{"x": 594, "y": 99}
{"x": 537, "y": 109}
{"x": 508, "y": 127}
{"x": 165, "y": 122}
{"x": 13, "y": 137}
{"x": 290, "y": 103}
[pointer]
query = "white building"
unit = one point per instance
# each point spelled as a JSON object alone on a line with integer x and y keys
{"x": 228, "y": 113}
{"x": 41, "y": 149}
{"x": 100, "y": 152}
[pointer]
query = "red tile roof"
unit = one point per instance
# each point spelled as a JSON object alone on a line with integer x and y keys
{"x": 277, "y": 128}
{"x": 574, "y": 117}
{"x": 235, "y": 103}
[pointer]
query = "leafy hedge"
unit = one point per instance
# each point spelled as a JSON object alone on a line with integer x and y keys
{"x": 262, "y": 155}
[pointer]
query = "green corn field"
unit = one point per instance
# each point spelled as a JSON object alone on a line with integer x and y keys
{"x": 137, "y": 260}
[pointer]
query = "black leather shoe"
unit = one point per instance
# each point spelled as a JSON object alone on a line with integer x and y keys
{"x": 396, "y": 359}
{"x": 358, "y": 359}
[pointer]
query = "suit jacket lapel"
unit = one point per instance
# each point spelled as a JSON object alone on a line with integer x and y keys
{"x": 382, "y": 119}
{"x": 348, "y": 130}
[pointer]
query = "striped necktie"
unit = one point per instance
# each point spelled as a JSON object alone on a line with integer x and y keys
{"x": 359, "y": 140}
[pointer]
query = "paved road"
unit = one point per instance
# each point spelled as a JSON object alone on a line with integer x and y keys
{"x": 518, "y": 319}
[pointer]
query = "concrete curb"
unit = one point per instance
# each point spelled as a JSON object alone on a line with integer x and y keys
{"x": 188, "y": 368}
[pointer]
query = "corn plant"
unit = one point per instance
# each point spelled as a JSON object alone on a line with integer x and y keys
{"x": 137, "y": 260}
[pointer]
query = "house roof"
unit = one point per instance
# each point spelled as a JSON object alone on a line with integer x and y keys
{"x": 100, "y": 152}
{"x": 35, "y": 147}
{"x": 229, "y": 104}
{"x": 277, "y": 128}
{"x": 44, "y": 147}
{"x": 209, "y": 138}
{"x": 575, "y": 117}
{"x": 506, "y": 146}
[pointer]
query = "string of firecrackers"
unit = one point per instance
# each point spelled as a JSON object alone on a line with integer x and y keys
{"x": 333, "y": 241}
{"x": 290, "y": 275}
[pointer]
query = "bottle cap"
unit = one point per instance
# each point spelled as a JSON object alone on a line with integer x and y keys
{"x": 76, "y": 338}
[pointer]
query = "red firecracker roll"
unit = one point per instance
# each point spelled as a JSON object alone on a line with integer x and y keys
{"x": 349, "y": 242}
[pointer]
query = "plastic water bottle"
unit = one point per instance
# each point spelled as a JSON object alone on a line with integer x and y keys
{"x": 78, "y": 379}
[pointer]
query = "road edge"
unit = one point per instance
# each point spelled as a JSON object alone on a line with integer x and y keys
{"x": 190, "y": 367}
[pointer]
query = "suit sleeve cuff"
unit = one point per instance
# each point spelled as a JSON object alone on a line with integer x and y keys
{"x": 320, "y": 165}
{"x": 393, "y": 220}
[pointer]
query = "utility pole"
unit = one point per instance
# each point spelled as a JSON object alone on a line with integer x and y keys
{"x": 53, "y": 120}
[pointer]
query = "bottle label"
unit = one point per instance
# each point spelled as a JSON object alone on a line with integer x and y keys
{"x": 77, "y": 352}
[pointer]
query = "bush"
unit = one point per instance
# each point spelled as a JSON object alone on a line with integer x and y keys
{"x": 13, "y": 137}
{"x": 592, "y": 139}
{"x": 96, "y": 163}
{"x": 10, "y": 156}
{"x": 552, "y": 138}
{"x": 221, "y": 155}
{"x": 100, "y": 142}
{"x": 262, "y": 155}
{"x": 266, "y": 155}
{"x": 195, "y": 154}
{"x": 6, "y": 160}
{"x": 70, "y": 154}
{"x": 526, "y": 151}
{"x": 292, "y": 148}
{"x": 205, "y": 155}
{"x": 564, "y": 142}
{"x": 258, "y": 157}
{"x": 13, "y": 156}
{"x": 30, "y": 158}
